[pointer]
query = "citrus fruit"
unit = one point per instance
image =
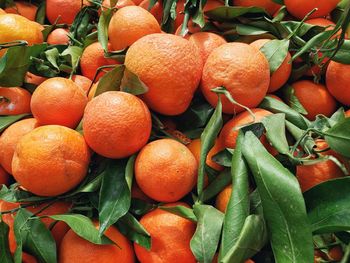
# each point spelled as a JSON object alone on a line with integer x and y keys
{"x": 120, "y": 4}
{"x": 9, "y": 139}
{"x": 171, "y": 235}
{"x": 156, "y": 10}
{"x": 270, "y": 6}
{"x": 34, "y": 79}
{"x": 14, "y": 101}
{"x": 2, "y": 12}
{"x": 25, "y": 9}
{"x": 129, "y": 24}
{"x": 240, "y": 68}
{"x": 58, "y": 36}
{"x": 4, "y": 177}
{"x": 166, "y": 170}
{"x": 338, "y": 81}
{"x": 171, "y": 68}
{"x": 58, "y": 101}
{"x": 82, "y": 82}
{"x": 223, "y": 198}
{"x": 50, "y": 160}
{"x": 300, "y": 8}
{"x": 62, "y": 11}
{"x": 116, "y": 124}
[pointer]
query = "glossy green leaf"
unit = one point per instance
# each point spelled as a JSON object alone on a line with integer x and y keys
{"x": 238, "y": 206}
{"x": 343, "y": 54}
{"x": 251, "y": 240}
{"x": 72, "y": 55}
{"x": 217, "y": 185}
{"x": 227, "y": 13}
{"x": 338, "y": 137}
{"x": 276, "y": 52}
{"x": 180, "y": 210}
{"x": 41, "y": 13}
{"x": 328, "y": 206}
{"x": 247, "y": 30}
{"x": 102, "y": 28}
{"x": 224, "y": 157}
{"x": 206, "y": 238}
{"x": 6, "y": 121}
{"x": 131, "y": 83}
{"x": 115, "y": 195}
{"x": 5, "y": 255}
{"x": 292, "y": 100}
{"x": 111, "y": 80}
{"x": 282, "y": 202}
{"x": 307, "y": 143}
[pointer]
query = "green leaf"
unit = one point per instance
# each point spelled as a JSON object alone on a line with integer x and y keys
{"x": 5, "y": 255}
{"x": 251, "y": 240}
{"x": 282, "y": 202}
{"x": 131, "y": 83}
{"x": 227, "y": 13}
{"x": 224, "y": 157}
{"x": 238, "y": 206}
{"x": 72, "y": 55}
{"x": 115, "y": 196}
{"x": 328, "y": 206}
{"x": 102, "y": 28}
{"x": 343, "y": 54}
{"x": 307, "y": 143}
{"x": 34, "y": 237}
{"x": 133, "y": 230}
{"x": 338, "y": 137}
{"x": 247, "y": 30}
{"x": 181, "y": 210}
{"x": 276, "y": 132}
{"x": 83, "y": 24}
{"x": 208, "y": 138}
{"x": 217, "y": 185}
{"x": 280, "y": 2}
{"x": 293, "y": 100}
{"x": 41, "y": 13}
{"x": 276, "y": 52}
{"x": 52, "y": 56}
{"x": 293, "y": 116}
{"x": 83, "y": 227}
{"x": 15, "y": 63}
{"x": 111, "y": 80}
{"x": 6, "y": 121}
{"x": 206, "y": 238}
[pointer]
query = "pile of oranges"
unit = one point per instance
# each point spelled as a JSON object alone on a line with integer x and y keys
{"x": 69, "y": 123}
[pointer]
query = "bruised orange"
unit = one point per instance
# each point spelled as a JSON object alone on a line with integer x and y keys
{"x": 14, "y": 101}
{"x": 338, "y": 81}
{"x": 166, "y": 170}
{"x": 116, "y": 124}
{"x": 50, "y": 160}
{"x": 25, "y": 9}
{"x": 170, "y": 67}
{"x": 300, "y": 8}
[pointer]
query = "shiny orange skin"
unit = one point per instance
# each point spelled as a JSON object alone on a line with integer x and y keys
{"x": 58, "y": 101}
{"x": 312, "y": 175}
{"x": 282, "y": 74}
{"x": 242, "y": 69}
{"x": 338, "y": 81}
{"x": 82, "y": 82}
{"x": 270, "y": 6}
{"x": 223, "y": 198}
{"x": 34, "y": 79}
{"x": 4, "y": 177}
{"x": 129, "y": 24}
{"x": 93, "y": 58}
{"x": 119, "y": 4}
{"x": 14, "y": 27}
{"x": 300, "y": 8}
{"x": 116, "y": 124}
{"x": 58, "y": 230}
{"x": 15, "y": 101}
{"x": 50, "y": 160}
{"x": 166, "y": 170}
{"x": 206, "y": 42}
{"x": 92, "y": 91}
{"x": 9, "y": 139}
{"x": 23, "y": 8}
{"x": 171, "y": 68}
{"x": 156, "y": 10}
{"x": 195, "y": 148}
{"x": 324, "y": 103}
{"x": 63, "y": 10}
{"x": 58, "y": 36}
{"x": 75, "y": 249}
{"x": 171, "y": 235}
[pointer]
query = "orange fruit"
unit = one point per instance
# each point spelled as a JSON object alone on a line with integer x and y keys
{"x": 338, "y": 81}
{"x": 171, "y": 235}
{"x": 23, "y": 8}
{"x": 223, "y": 198}
{"x": 82, "y": 82}
{"x": 58, "y": 36}
{"x": 75, "y": 249}
{"x": 14, "y": 101}
{"x": 206, "y": 43}
{"x": 2, "y": 12}
{"x": 282, "y": 74}
{"x": 347, "y": 114}
{"x": 270, "y": 6}
{"x": 166, "y": 170}
{"x": 34, "y": 79}
{"x": 306, "y": 90}
{"x": 129, "y": 24}
{"x": 120, "y": 4}
{"x": 171, "y": 68}
{"x": 15, "y": 27}
{"x": 93, "y": 58}
{"x": 242, "y": 69}
{"x": 156, "y": 10}
{"x": 50, "y": 160}
{"x": 58, "y": 101}
{"x": 26, "y": 258}
{"x": 64, "y": 11}
{"x": 195, "y": 148}
{"x": 116, "y": 124}
{"x": 335, "y": 253}
{"x": 311, "y": 175}
{"x": 9, "y": 139}
{"x": 300, "y": 8}
{"x": 137, "y": 193}
{"x": 4, "y": 177}
{"x": 92, "y": 91}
